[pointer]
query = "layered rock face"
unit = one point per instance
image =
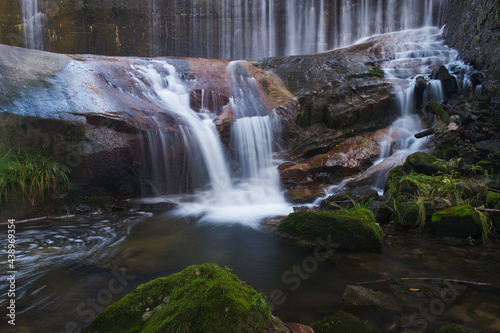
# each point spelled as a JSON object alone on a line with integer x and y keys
{"x": 473, "y": 28}
{"x": 96, "y": 114}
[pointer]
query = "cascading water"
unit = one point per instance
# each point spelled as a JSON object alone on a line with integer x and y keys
{"x": 220, "y": 195}
{"x": 240, "y": 29}
{"x": 412, "y": 54}
{"x": 32, "y": 24}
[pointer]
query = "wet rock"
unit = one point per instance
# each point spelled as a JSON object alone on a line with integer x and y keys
{"x": 299, "y": 328}
{"x": 419, "y": 90}
{"x": 157, "y": 207}
{"x": 201, "y": 298}
{"x": 361, "y": 296}
{"x": 425, "y": 163}
{"x": 462, "y": 221}
{"x": 352, "y": 230}
{"x": 449, "y": 82}
{"x": 303, "y": 194}
{"x": 276, "y": 326}
{"x": 342, "y": 322}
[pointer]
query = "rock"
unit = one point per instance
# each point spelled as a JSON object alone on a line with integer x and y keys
{"x": 455, "y": 329}
{"x": 407, "y": 213}
{"x": 425, "y": 163}
{"x": 434, "y": 107}
{"x": 276, "y": 326}
{"x": 201, "y": 298}
{"x": 352, "y": 230}
{"x": 157, "y": 207}
{"x": 303, "y": 194}
{"x": 361, "y": 296}
{"x": 473, "y": 31}
{"x": 419, "y": 90}
{"x": 449, "y": 83}
{"x": 462, "y": 221}
{"x": 299, "y": 328}
{"x": 342, "y": 322}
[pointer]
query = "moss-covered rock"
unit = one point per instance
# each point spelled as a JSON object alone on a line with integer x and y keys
{"x": 407, "y": 213}
{"x": 425, "y": 163}
{"x": 455, "y": 329}
{"x": 439, "y": 111}
{"x": 461, "y": 221}
{"x": 342, "y": 322}
{"x": 353, "y": 229}
{"x": 201, "y": 298}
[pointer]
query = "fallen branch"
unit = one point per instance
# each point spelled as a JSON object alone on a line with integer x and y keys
{"x": 425, "y": 133}
{"x": 489, "y": 210}
{"x": 472, "y": 283}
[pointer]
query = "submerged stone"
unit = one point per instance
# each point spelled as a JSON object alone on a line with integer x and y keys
{"x": 201, "y": 298}
{"x": 352, "y": 230}
{"x": 462, "y": 221}
{"x": 361, "y": 296}
{"x": 342, "y": 322}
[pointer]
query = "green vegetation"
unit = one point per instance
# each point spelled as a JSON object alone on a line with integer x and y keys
{"x": 455, "y": 329}
{"x": 201, "y": 298}
{"x": 351, "y": 229}
{"x": 374, "y": 72}
{"x": 438, "y": 109}
{"x": 342, "y": 322}
{"x": 33, "y": 175}
{"x": 441, "y": 194}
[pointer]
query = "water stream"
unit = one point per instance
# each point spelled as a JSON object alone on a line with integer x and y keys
{"x": 69, "y": 269}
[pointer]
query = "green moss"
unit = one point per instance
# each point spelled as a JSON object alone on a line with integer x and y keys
{"x": 461, "y": 221}
{"x": 342, "y": 322}
{"x": 355, "y": 229}
{"x": 425, "y": 163}
{"x": 374, "y": 72}
{"x": 201, "y": 298}
{"x": 438, "y": 109}
{"x": 455, "y": 329}
{"x": 407, "y": 213}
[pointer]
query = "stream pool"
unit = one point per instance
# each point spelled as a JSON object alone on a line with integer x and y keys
{"x": 70, "y": 269}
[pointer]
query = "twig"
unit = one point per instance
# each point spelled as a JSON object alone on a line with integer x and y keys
{"x": 489, "y": 210}
{"x": 472, "y": 283}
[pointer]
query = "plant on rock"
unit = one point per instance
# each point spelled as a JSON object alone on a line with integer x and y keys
{"x": 32, "y": 174}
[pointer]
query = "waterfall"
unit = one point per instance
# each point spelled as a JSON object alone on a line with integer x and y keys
{"x": 32, "y": 24}
{"x": 220, "y": 193}
{"x": 237, "y": 29}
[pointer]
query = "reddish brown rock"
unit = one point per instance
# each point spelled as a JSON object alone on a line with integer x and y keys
{"x": 299, "y": 328}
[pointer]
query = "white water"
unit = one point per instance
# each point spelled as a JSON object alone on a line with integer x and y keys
{"x": 220, "y": 196}
{"x": 237, "y": 29}
{"x": 32, "y": 24}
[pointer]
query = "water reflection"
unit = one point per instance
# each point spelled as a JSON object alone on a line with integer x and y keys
{"x": 65, "y": 265}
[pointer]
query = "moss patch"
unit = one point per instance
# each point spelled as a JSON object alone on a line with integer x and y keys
{"x": 201, "y": 298}
{"x": 424, "y": 163}
{"x": 462, "y": 221}
{"x": 438, "y": 110}
{"x": 342, "y": 322}
{"x": 455, "y": 329}
{"x": 374, "y": 72}
{"x": 354, "y": 229}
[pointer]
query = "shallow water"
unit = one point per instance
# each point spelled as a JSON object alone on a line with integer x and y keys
{"x": 70, "y": 269}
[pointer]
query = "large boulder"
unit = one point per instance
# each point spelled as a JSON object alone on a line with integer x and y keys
{"x": 201, "y": 298}
{"x": 461, "y": 221}
{"x": 352, "y": 230}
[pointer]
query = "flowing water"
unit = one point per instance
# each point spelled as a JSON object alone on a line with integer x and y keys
{"x": 67, "y": 266}
{"x": 70, "y": 269}
{"x": 33, "y": 24}
{"x": 220, "y": 194}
